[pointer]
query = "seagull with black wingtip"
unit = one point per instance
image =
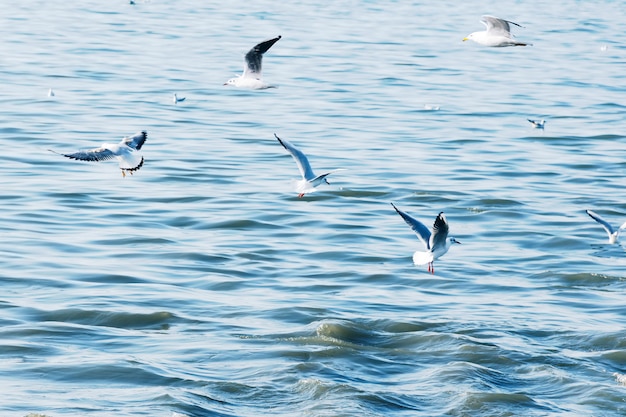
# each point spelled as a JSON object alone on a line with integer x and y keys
{"x": 436, "y": 242}
{"x": 124, "y": 151}
{"x": 252, "y": 70}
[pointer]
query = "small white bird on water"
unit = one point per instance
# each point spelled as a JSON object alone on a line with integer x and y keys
{"x": 252, "y": 74}
{"x": 537, "y": 124}
{"x": 309, "y": 180}
{"x": 51, "y": 93}
{"x": 125, "y": 152}
{"x": 177, "y": 99}
{"x": 613, "y": 234}
{"x": 498, "y": 33}
{"x": 436, "y": 243}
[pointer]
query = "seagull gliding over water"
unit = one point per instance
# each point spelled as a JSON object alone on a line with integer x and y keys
{"x": 252, "y": 77}
{"x": 309, "y": 180}
{"x": 436, "y": 243}
{"x": 613, "y": 234}
{"x": 498, "y": 33}
{"x": 124, "y": 151}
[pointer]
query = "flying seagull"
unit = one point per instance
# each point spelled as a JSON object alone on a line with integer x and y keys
{"x": 613, "y": 234}
{"x": 125, "y": 152}
{"x": 252, "y": 77}
{"x": 498, "y": 33}
{"x": 537, "y": 124}
{"x": 177, "y": 99}
{"x": 436, "y": 243}
{"x": 309, "y": 180}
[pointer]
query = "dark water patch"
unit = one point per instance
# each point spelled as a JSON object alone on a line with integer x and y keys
{"x": 497, "y": 404}
{"x": 156, "y": 321}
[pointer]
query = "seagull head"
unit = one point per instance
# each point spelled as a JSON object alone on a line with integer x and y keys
{"x": 453, "y": 240}
{"x": 233, "y": 81}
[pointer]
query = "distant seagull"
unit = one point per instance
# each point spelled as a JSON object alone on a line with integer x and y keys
{"x": 620, "y": 378}
{"x": 309, "y": 180}
{"x": 613, "y": 234}
{"x": 436, "y": 243}
{"x": 498, "y": 33}
{"x": 177, "y": 99}
{"x": 252, "y": 77}
{"x": 124, "y": 151}
{"x": 50, "y": 93}
{"x": 537, "y": 124}
{"x": 431, "y": 107}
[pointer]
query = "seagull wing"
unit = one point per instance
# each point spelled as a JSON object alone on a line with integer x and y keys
{"x": 136, "y": 141}
{"x": 622, "y": 227}
{"x": 497, "y": 25}
{"x": 254, "y": 58}
{"x": 418, "y": 227}
{"x": 99, "y": 154}
{"x": 440, "y": 232}
{"x": 604, "y": 223}
{"x": 303, "y": 163}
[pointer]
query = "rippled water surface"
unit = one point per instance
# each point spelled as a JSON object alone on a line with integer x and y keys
{"x": 203, "y": 286}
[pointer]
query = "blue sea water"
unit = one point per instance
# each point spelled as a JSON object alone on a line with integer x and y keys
{"x": 202, "y": 286}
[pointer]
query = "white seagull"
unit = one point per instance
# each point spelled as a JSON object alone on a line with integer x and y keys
{"x": 51, "y": 93}
{"x": 498, "y": 33}
{"x": 177, "y": 99}
{"x": 309, "y": 180}
{"x": 537, "y": 124}
{"x": 613, "y": 234}
{"x": 252, "y": 77}
{"x": 124, "y": 151}
{"x": 436, "y": 243}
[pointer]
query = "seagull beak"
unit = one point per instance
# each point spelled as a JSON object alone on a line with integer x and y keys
{"x": 465, "y": 39}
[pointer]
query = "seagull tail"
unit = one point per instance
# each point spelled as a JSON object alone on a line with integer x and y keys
{"x": 422, "y": 258}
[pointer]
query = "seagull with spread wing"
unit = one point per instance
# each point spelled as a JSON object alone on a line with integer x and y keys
{"x": 613, "y": 234}
{"x": 436, "y": 243}
{"x": 124, "y": 151}
{"x": 252, "y": 76}
{"x": 309, "y": 180}
{"x": 498, "y": 33}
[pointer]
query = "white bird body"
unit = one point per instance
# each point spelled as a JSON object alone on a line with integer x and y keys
{"x": 613, "y": 234}
{"x": 252, "y": 71}
{"x": 498, "y": 33}
{"x": 124, "y": 151}
{"x": 436, "y": 243}
{"x": 309, "y": 181}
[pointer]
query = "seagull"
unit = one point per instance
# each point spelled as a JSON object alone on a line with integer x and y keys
{"x": 177, "y": 99}
{"x": 613, "y": 234}
{"x": 436, "y": 243}
{"x": 124, "y": 151}
{"x": 498, "y": 33}
{"x": 537, "y": 124}
{"x": 252, "y": 77}
{"x": 50, "y": 93}
{"x": 309, "y": 180}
